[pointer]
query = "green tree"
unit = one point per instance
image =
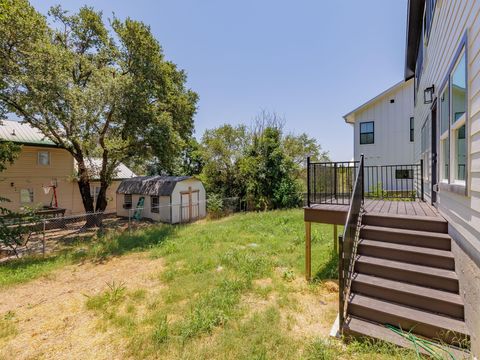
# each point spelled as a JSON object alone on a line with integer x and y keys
{"x": 94, "y": 90}
{"x": 222, "y": 149}
{"x": 268, "y": 172}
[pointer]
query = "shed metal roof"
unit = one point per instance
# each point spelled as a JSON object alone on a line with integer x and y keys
{"x": 22, "y": 133}
{"x": 150, "y": 185}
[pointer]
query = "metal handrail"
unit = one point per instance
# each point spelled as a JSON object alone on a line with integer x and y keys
{"x": 349, "y": 241}
{"x": 333, "y": 182}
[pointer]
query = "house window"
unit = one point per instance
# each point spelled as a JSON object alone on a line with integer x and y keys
{"x": 26, "y": 196}
{"x": 43, "y": 158}
{"x": 453, "y": 107}
{"x": 444, "y": 134}
{"x": 425, "y": 147}
{"x": 367, "y": 132}
{"x": 154, "y": 203}
{"x": 412, "y": 129}
{"x": 127, "y": 201}
{"x": 404, "y": 174}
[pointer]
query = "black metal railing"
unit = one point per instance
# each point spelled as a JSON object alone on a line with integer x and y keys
{"x": 348, "y": 242}
{"x": 333, "y": 182}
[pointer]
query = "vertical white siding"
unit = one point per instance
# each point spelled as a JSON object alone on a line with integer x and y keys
{"x": 452, "y": 19}
{"x": 392, "y": 145}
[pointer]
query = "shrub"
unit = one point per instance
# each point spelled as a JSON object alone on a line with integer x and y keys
{"x": 215, "y": 206}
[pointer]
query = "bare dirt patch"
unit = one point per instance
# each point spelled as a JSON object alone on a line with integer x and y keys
{"x": 50, "y": 315}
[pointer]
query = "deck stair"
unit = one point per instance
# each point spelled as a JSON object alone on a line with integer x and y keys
{"x": 405, "y": 276}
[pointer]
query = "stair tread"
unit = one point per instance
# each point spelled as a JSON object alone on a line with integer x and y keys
{"x": 409, "y": 248}
{"x": 414, "y": 315}
{"x": 436, "y": 219}
{"x": 380, "y": 332}
{"x": 399, "y": 265}
{"x": 407, "y": 231}
{"x": 409, "y": 288}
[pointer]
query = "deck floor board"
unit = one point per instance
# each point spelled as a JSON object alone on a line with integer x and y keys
{"x": 387, "y": 207}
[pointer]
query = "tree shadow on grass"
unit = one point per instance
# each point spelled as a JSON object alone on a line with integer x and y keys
{"x": 136, "y": 241}
{"x": 328, "y": 269}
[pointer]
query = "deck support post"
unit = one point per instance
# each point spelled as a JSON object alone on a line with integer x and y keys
{"x": 308, "y": 250}
{"x": 335, "y": 238}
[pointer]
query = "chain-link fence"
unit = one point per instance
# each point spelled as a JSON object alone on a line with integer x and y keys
{"x": 51, "y": 232}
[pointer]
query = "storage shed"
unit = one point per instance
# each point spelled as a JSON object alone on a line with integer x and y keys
{"x": 169, "y": 199}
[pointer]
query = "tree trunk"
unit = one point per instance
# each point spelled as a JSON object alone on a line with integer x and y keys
{"x": 84, "y": 187}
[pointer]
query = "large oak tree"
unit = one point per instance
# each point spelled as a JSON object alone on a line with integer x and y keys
{"x": 94, "y": 90}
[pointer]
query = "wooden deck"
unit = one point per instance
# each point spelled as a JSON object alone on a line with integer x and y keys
{"x": 337, "y": 214}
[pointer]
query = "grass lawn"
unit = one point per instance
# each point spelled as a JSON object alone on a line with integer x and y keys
{"x": 226, "y": 289}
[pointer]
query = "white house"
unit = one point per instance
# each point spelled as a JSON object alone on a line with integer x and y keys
{"x": 169, "y": 199}
{"x": 443, "y": 59}
{"x": 374, "y": 123}
{"x": 384, "y": 134}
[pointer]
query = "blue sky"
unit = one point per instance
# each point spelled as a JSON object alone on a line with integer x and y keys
{"x": 310, "y": 61}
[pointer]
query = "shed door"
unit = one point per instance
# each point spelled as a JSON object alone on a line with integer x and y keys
{"x": 189, "y": 205}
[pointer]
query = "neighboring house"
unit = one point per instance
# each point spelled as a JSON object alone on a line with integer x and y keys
{"x": 443, "y": 58}
{"x": 41, "y": 165}
{"x": 374, "y": 123}
{"x": 169, "y": 199}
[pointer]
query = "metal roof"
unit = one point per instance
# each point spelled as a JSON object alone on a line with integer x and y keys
{"x": 18, "y": 132}
{"x": 121, "y": 172}
{"x": 150, "y": 185}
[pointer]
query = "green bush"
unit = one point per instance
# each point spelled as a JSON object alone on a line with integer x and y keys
{"x": 215, "y": 206}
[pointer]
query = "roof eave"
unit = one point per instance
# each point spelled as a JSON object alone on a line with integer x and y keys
{"x": 413, "y": 32}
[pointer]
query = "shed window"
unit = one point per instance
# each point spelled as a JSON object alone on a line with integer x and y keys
{"x": 367, "y": 132}
{"x": 127, "y": 201}
{"x": 43, "y": 158}
{"x": 155, "y": 205}
{"x": 26, "y": 196}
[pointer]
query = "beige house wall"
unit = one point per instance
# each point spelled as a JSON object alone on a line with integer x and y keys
{"x": 27, "y": 173}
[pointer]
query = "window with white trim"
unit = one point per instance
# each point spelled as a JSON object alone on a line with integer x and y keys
{"x": 26, "y": 196}
{"x": 453, "y": 108}
{"x": 458, "y": 143}
{"x": 367, "y": 132}
{"x": 43, "y": 158}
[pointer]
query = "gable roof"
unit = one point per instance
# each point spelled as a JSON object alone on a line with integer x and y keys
{"x": 151, "y": 185}
{"x": 350, "y": 117}
{"x": 22, "y": 133}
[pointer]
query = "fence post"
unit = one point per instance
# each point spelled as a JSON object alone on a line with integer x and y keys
{"x": 308, "y": 181}
{"x": 362, "y": 172}
{"x": 335, "y": 181}
{"x": 421, "y": 181}
{"x": 341, "y": 294}
{"x": 43, "y": 239}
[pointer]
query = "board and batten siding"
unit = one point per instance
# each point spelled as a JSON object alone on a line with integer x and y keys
{"x": 452, "y": 20}
{"x": 392, "y": 145}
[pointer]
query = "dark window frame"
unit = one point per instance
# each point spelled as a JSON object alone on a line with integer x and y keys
{"x": 403, "y": 174}
{"x": 155, "y": 209}
{"x": 127, "y": 204}
{"x": 412, "y": 129}
{"x": 363, "y": 142}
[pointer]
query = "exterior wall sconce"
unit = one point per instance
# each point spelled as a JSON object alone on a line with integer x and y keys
{"x": 428, "y": 94}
